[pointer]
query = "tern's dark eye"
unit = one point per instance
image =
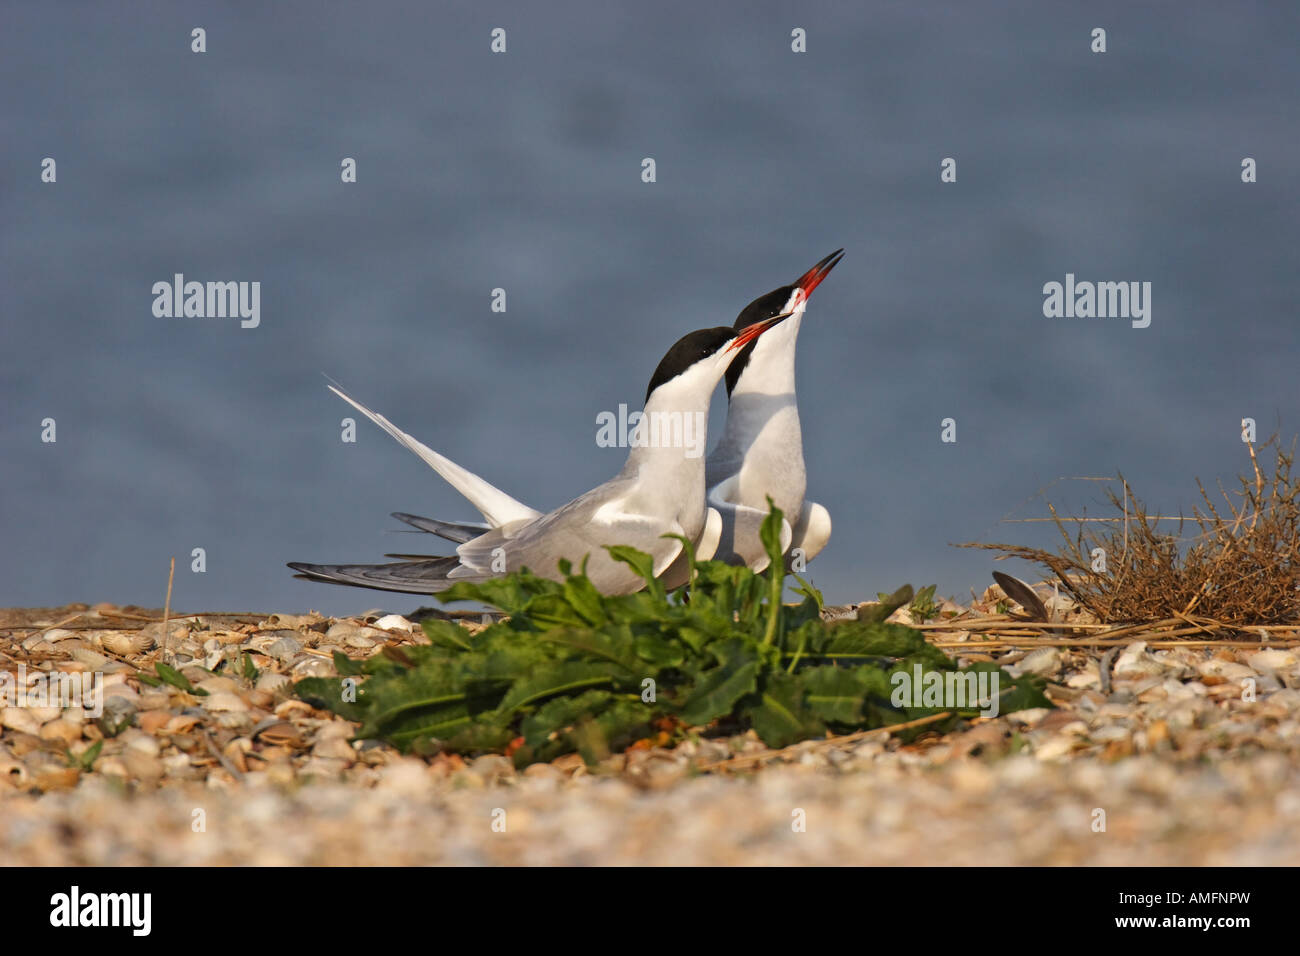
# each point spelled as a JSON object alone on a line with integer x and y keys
{"x": 764, "y": 307}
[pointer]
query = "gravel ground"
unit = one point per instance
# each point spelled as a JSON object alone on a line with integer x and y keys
{"x": 1152, "y": 757}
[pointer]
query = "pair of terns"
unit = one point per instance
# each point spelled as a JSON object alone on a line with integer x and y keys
{"x": 718, "y": 504}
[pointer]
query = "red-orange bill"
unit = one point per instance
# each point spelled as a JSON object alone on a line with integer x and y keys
{"x": 813, "y": 277}
{"x": 751, "y": 332}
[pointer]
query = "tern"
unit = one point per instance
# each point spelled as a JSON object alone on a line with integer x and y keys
{"x": 660, "y": 491}
{"x": 760, "y": 453}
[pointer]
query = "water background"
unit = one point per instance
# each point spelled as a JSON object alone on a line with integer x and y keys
{"x": 522, "y": 171}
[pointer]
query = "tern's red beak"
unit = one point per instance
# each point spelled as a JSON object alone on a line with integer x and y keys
{"x": 813, "y": 277}
{"x": 751, "y": 332}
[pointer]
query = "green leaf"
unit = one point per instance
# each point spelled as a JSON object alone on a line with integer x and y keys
{"x": 616, "y": 727}
{"x": 346, "y": 666}
{"x": 174, "y": 677}
{"x": 854, "y": 641}
{"x": 553, "y": 610}
{"x": 447, "y": 634}
{"x": 615, "y": 645}
{"x": 719, "y": 688}
{"x": 779, "y": 716}
{"x": 555, "y": 679}
{"x": 510, "y": 592}
{"x": 836, "y": 694}
{"x": 585, "y": 600}
{"x": 923, "y": 606}
{"x": 770, "y": 534}
{"x": 86, "y": 759}
{"x": 889, "y": 603}
{"x": 641, "y": 563}
{"x": 327, "y": 694}
{"x": 558, "y": 716}
{"x": 809, "y": 592}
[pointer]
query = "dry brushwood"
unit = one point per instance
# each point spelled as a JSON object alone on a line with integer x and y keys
{"x": 1243, "y": 567}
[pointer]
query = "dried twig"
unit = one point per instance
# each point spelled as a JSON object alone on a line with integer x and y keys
{"x": 167, "y": 607}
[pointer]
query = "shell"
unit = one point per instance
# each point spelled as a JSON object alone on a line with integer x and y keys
{"x": 240, "y": 721}
{"x": 335, "y": 748}
{"x": 142, "y": 765}
{"x": 57, "y": 778}
{"x": 1272, "y": 660}
{"x": 213, "y": 652}
{"x": 85, "y": 655}
{"x": 218, "y": 685}
{"x": 1044, "y": 660}
{"x": 153, "y": 721}
{"x": 292, "y": 621}
{"x": 235, "y": 751}
{"x": 282, "y": 734}
{"x": 21, "y": 720}
{"x": 277, "y": 684}
{"x": 313, "y": 667}
{"x": 127, "y": 643}
{"x": 181, "y": 723}
{"x": 224, "y": 701}
{"x": 1135, "y": 662}
{"x": 61, "y": 729}
{"x": 12, "y": 772}
{"x": 284, "y": 648}
{"x": 176, "y": 630}
{"x": 353, "y": 636}
{"x": 229, "y": 637}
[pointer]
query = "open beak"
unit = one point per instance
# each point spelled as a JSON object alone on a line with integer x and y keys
{"x": 751, "y": 332}
{"x": 813, "y": 277}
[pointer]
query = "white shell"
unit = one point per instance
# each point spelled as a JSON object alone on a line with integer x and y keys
{"x": 394, "y": 622}
{"x": 126, "y": 643}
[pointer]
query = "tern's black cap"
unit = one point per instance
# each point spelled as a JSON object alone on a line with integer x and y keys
{"x": 689, "y": 349}
{"x": 766, "y": 306}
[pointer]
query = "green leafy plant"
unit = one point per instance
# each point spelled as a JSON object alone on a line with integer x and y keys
{"x": 571, "y": 669}
{"x": 170, "y": 675}
{"x": 84, "y": 761}
{"x": 924, "y": 606}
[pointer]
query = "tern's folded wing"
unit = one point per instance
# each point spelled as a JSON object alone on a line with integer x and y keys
{"x": 581, "y": 529}
{"x": 741, "y": 541}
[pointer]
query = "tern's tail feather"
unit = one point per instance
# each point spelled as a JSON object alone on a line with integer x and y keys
{"x": 412, "y": 577}
{"x": 457, "y": 531}
{"x": 496, "y": 506}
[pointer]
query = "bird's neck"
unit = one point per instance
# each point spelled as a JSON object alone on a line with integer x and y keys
{"x": 762, "y": 405}
{"x": 668, "y": 450}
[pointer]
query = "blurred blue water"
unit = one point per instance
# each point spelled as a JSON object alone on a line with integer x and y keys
{"x": 522, "y": 171}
